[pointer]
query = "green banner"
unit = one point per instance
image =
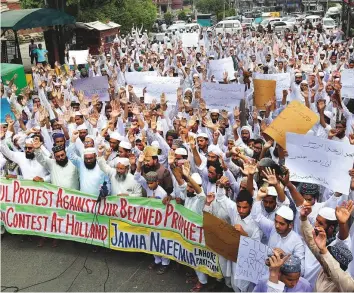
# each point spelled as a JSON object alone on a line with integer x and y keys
{"x": 120, "y": 223}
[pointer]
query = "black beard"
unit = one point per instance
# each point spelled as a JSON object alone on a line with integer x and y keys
{"x": 90, "y": 166}
{"x": 147, "y": 169}
{"x": 190, "y": 194}
{"x": 62, "y": 163}
{"x": 212, "y": 180}
{"x": 29, "y": 156}
{"x": 298, "y": 81}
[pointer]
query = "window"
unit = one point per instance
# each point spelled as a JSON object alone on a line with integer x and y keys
{"x": 109, "y": 39}
{"x": 228, "y": 25}
{"x": 219, "y": 25}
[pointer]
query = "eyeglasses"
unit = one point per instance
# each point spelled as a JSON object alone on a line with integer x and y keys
{"x": 28, "y": 148}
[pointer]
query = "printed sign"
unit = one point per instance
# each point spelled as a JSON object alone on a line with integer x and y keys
{"x": 97, "y": 85}
{"x": 222, "y": 96}
{"x": 120, "y": 223}
{"x": 251, "y": 259}
{"x": 320, "y": 161}
{"x": 189, "y": 39}
{"x": 133, "y": 77}
{"x": 296, "y": 117}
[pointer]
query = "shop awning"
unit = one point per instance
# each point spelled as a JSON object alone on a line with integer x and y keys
{"x": 31, "y": 18}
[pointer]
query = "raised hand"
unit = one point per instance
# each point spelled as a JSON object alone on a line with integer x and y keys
{"x": 74, "y": 135}
{"x": 210, "y": 197}
{"x": 186, "y": 169}
{"x": 101, "y": 149}
{"x": 153, "y": 123}
{"x": 306, "y": 209}
{"x": 249, "y": 169}
{"x": 271, "y": 176}
{"x": 320, "y": 237}
{"x": 36, "y": 143}
{"x": 141, "y": 158}
{"x": 344, "y": 211}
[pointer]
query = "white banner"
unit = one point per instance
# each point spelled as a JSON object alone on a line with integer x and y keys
{"x": 319, "y": 161}
{"x": 133, "y": 77}
{"x": 189, "y": 39}
{"x": 251, "y": 259}
{"x": 218, "y": 67}
{"x": 222, "y": 96}
{"x": 347, "y": 83}
{"x": 80, "y": 57}
{"x": 155, "y": 86}
{"x": 282, "y": 79}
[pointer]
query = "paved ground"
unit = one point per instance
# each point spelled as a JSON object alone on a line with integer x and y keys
{"x": 23, "y": 264}
{"x": 26, "y": 60}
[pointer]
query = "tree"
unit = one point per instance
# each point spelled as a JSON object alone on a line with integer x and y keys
{"x": 168, "y": 18}
{"x": 182, "y": 15}
{"x": 210, "y": 6}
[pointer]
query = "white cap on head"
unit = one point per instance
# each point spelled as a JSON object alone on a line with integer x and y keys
{"x": 155, "y": 144}
{"x": 304, "y": 82}
{"x": 328, "y": 114}
{"x": 192, "y": 134}
{"x": 29, "y": 140}
{"x": 123, "y": 161}
{"x": 328, "y": 213}
{"x": 89, "y": 151}
{"x": 215, "y": 111}
{"x": 181, "y": 151}
{"x": 321, "y": 73}
{"x": 215, "y": 150}
{"x": 115, "y": 135}
{"x": 195, "y": 75}
{"x": 272, "y": 191}
{"x": 81, "y": 127}
{"x": 196, "y": 177}
{"x": 78, "y": 113}
{"x": 125, "y": 145}
{"x": 203, "y": 134}
{"x": 286, "y": 213}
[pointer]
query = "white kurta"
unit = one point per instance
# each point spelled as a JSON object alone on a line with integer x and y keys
{"x": 29, "y": 168}
{"x": 128, "y": 186}
{"x": 67, "y": 176}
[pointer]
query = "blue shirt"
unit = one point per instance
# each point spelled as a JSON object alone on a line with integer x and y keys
{"x": 41, "y": 54}
{"x": 302, "y": 286}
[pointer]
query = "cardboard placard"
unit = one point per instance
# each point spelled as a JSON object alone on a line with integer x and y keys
{"x": 264, "y": 91}
{"x": 296, "y": 118}
{"x": 221, "y": 237}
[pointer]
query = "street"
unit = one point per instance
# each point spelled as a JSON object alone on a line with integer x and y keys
{"x": 24, "y": 264}
{"x": 26, "y": 60}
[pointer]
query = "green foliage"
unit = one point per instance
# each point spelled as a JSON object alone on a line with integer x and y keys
{"x": 182, "y": 15}
{"x": 228, "y": 12}
{"x": 124, "y": 12}
{"x": 210, "y": 6}
{"x": 26, "y": 4}
{"x": 168, "y": 17}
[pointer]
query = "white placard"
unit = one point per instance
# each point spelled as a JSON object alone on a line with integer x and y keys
{"x": 218, "y": 67}
{"x": 347, "y": 80}
{"x": 320, "y": 161}
{"x": 222, "y": 96}
{"x": 155, "y": 86}
{"x": 282, "y": 79}
{"x": 251, "y": 259}
{"x": 308, "y": 68}
{"x": 80, "y": 57}
{"x": 132, "y": 77}
{"x": 189, "y": 39}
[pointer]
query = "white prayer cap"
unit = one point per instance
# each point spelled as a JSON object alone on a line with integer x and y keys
{"x": 196, "y": 177}
{"x": 81, "y": 127}
{"x": 215, "y": 111}
{"x": 300, "y": 54}
{"x": 125, "y": 145}
{"x": 195, "y": 75}
{"x": 214, "y": 149}
{"x": 328, "y": 213}
{"x": 90, "y": 136}
{"x": 123, "y": 161}
{"x": 37, "y": 127}
{"x": 115, "y": 135}
{"x": 321, "y": 73}
{"x": 286, "y": 213}
{"x": 351, "y": 47}
{"x": 272, "y": 191}
{"x": 304, "y": 82}
{"x": 211, "y": 56}
{"x": 162, "y": 57}
{"x": 203, "y": 134}
{"x": 178, "y": 55}
{"x": 89, "y": 151}
{"x": 181, "y": 151}
{"x": 78, "y": 113}
{"x": 29, "y": 140}
{"x": 155, "y": 144}
{"x": 188, "y": 89}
